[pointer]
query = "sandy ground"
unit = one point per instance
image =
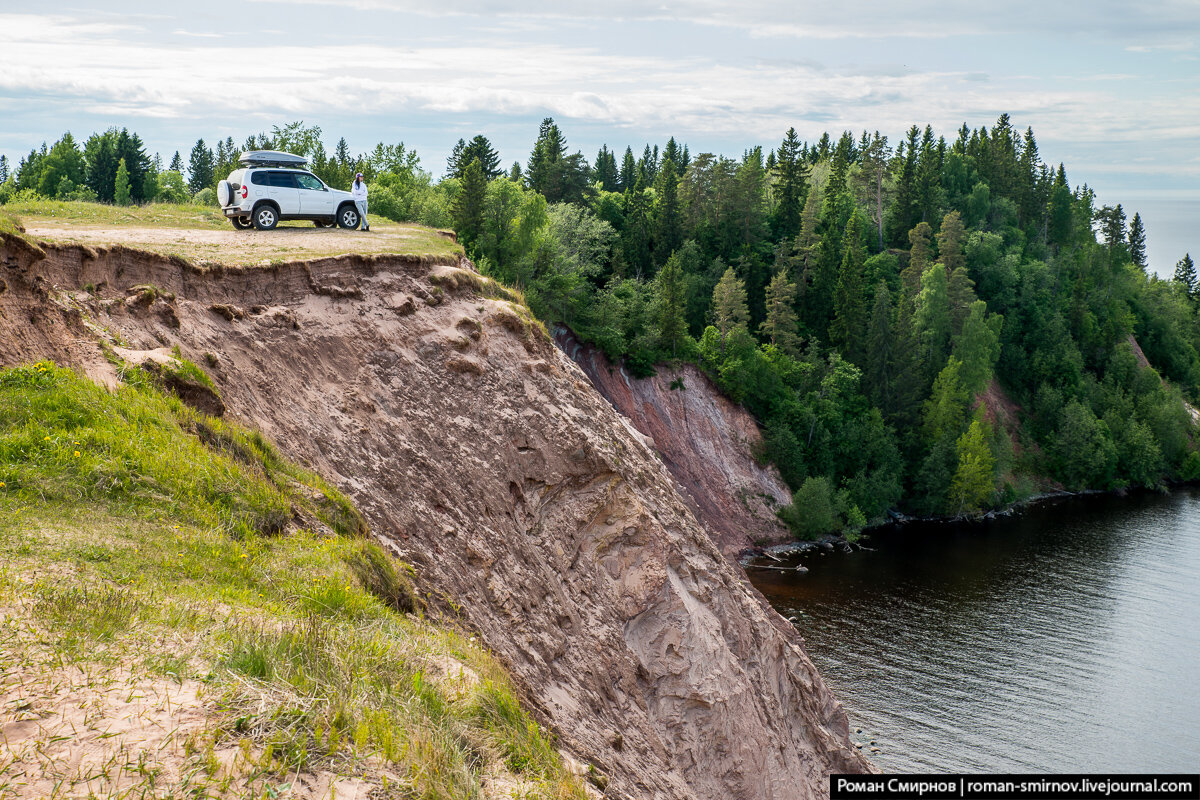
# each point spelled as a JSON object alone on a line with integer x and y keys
{"x": 290, "y": 241}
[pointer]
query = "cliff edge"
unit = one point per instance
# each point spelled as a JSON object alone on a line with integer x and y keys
{"x": 482, "y": 455}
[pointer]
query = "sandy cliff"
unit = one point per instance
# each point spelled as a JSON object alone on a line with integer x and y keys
{"x": 705, "y": 440}
{"x": 481, "y": 454}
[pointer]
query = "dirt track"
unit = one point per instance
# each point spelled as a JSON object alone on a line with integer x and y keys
{"x": 290, "y": 241}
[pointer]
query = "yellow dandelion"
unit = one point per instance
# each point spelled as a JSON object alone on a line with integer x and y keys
{"x": 2, "y": 484}
{"x": 46, "y": 439}
{"x": 77, "y": 454}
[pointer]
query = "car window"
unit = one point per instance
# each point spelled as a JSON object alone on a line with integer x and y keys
{"x": 285, "y": 180}
{"x": 259, "y": 178}
{"x": 310, "y": 182}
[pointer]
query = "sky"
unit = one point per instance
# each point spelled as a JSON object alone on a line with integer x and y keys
{"x": 1112, "y": 89}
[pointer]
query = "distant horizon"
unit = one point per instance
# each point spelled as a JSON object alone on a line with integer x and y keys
{"x": 1111, "y": 91}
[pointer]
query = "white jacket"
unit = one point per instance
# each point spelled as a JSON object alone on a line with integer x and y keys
{"x": 358, "y": 190}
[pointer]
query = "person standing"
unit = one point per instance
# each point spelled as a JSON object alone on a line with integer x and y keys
{"x": 358, "y": 190}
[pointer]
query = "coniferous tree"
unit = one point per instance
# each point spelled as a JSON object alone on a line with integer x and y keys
{"x": 200, "y": 167}
{"x": 1112, "y": 225}
{"x": 951, "y": 239}
{"x": 672, "y": 305}
{"x": 649, "y": 163}
{"x": 791, "y": 188}
{"x": 605, "y": 170}
{"x": 673, "y": 153}
{"x": 637, "y": 232}
{"x": 489, "y": 160}
{"x": 906, "y": 210}
{"x": 729, "y": 310}
{"x": 878, "y": 371}
{"x": 558, "y": 177}
{"x": 850, "y": 314}
{"x": 1185, "y": 275}
{"x": 1137, "y": 241}
{"x": 779, "y": 325}
{"x": 873, "y": 156}
{"x": 454, "y": 162}
{"x": 3, "y": 168}
{"x": 628, "y": 176}
{"x": 177, "y": 163}
{"x": 668, "y": 235}
{"x": 129, "y": 146}
{"x": 468, "y": 206}
{"x": 121, "y": 193}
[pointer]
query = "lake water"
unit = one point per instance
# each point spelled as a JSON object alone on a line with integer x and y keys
{"x": 1067, "y": 640}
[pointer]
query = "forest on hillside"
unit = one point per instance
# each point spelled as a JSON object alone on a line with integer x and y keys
{"x": 940, "y": 326}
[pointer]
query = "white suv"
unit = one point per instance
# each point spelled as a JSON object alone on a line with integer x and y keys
{"x": 272, "y": 186}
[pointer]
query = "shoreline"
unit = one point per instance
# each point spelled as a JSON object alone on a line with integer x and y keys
{"x": 897, "y": 521}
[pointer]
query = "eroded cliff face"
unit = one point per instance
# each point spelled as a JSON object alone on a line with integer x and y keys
{"x": 482, "y": 455}
{"x": 705, "y": 440}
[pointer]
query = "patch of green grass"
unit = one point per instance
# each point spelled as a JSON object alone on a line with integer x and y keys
{"x": 150, "y": 215}
{"x": 145, "y": 551}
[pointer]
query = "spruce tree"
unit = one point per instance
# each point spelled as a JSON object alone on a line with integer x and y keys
{"x": 454, "y": 161}
{"x": 605, "y": 170}
{"x": 628, "y": 176}
{"x": 878, "y": 371}
{"x": 200, "y": 167}
{"x": 672, "y": 304}
{"x": 668, "y": 222}
{"x": 121, "y": 194}
{"x": 467, "y": 207}
{"x": 1185, "y": 275}
{"x": 850, "y": 314}
{"x": 729, "y": 310}
{"x": 1137, "y": 241}
{"x": 176, "y": 163}
{"x": 3, "y": 168}
{"x": 791, "y": 187}
{"x": 637, "y": 233}
{"x": 489, "y": 160}
{"x": 779, "y": 326}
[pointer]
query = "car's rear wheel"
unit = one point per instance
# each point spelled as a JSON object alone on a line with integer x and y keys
{"x": 265, "y": 217}
{"x": 348, "y": 217}
{"x": 241, "y": 223}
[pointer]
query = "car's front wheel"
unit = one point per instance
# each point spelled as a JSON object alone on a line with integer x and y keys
{"x": 348, "y": 217}
{"x": 265, "y": 218}
{"x": 241, "y": 223}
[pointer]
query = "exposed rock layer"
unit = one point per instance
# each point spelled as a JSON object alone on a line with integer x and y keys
{"x": 705, "y": 440}
{"x": 482, "y": 454}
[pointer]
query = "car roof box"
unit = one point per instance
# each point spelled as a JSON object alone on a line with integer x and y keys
{"x": 271, "y": 158}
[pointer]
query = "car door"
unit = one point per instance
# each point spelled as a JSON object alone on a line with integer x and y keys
{"x": 282, "y": 188}
{"x": 315, "y": 198}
